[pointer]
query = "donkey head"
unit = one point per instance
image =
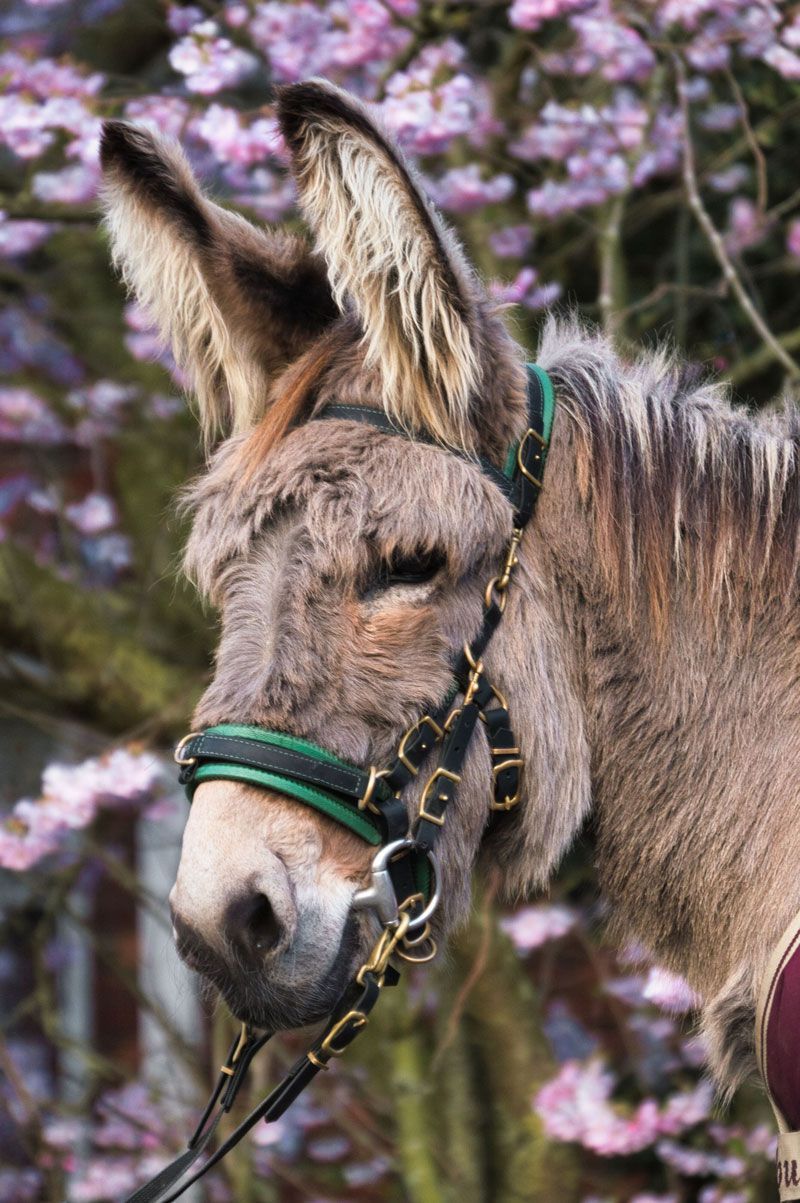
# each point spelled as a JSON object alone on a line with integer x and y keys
{"x": 348, "y": 565}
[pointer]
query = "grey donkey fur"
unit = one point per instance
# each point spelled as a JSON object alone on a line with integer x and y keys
{"x": 649, "y": 651}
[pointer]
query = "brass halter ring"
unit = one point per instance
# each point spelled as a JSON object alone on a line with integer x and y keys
{"x": 178, "y": 755}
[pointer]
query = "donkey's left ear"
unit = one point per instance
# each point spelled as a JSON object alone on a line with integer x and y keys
{"x": 237, "y": 303}
{"x": 390, "y": 255}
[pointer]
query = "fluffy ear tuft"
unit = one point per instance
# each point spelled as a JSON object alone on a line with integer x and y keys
{"x": 237, "y": 303}
{"x": 388, "y": 253}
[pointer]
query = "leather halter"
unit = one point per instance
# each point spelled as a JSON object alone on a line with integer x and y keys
{"x": 404, "y": 888}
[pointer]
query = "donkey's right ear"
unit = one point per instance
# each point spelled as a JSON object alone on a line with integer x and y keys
{"x": 237, "y": 303}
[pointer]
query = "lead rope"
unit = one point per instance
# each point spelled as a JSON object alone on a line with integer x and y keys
{"x": 405, "y": 927}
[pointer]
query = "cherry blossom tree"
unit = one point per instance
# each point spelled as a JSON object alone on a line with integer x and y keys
{"x": 635, "y": 159}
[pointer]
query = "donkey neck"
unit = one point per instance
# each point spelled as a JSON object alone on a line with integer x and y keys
{"x": 693, "y": 731}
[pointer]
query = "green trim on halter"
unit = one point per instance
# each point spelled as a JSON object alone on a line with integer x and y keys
{"x": 549, "y": 397}
{"x": 548, "y": 412}
{"x": 327, "y": 804}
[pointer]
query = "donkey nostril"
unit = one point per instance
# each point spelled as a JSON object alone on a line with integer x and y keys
{"x": 251, "y": 922}
{"x": 263, "y": 926}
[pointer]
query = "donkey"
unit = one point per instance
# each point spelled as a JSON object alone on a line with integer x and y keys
{"x": 649, "y": 652}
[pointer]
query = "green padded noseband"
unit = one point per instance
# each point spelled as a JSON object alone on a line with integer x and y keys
{"x": 312, "y": 788}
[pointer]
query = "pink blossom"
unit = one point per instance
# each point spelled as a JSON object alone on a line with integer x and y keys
{"x": 292, "y": 37}
{"x": 63, "y": 1133}
{"x": 793, "y": 238}
{"x": 745, "y": 225}
{"x": 761, "y": 1140}
{"x": 236, "y": 15}
{"x": 424, "y": 114}
{"x": 620, "y": 53}
{"x": 181, "y": 20}
{"x": 526, "y": 290}
{"x": 785, "y": 61}
{"x": 103, "y": 1178}
{"x": 143, "y": 341}
{"x": 231, "y": 142}
{"x": 670, "y": 992}
{"x": 161, "y": 114}
{"x": 45, "y": 77}
{"x": 532, "y": 926}
{"x": 109, "y": 553}
{"x": 306, "y": 39}
{"x": 103, "y": 399}
{"x": 26, "y": 418}
{"x": 650, "y": 1198}
{"x": 269, "y": 194}
{"x": 71, "y": 186}
{"x": 164, "y": 407}
{"x": 732, "y": 179}
{"x": 22, "y": 1185}
{"x": 530, "y": 14}
{"x": 265, "y": 1136}
{"x": 95, "y": 513}
{"x": 462, "y": 189}
{"x": 720, "y": 118}
{"x": 22, "y": 128}
{"x": 576, "y": 1106}
{"x": 328, "y": 1150}
{"x": 361, "y": 32}
{"x": 629, "y": 990}
{"x": 687, "y": 1109}
{"x": 22, "y": 848}
{"x": 511, "y": 242}
{"x": 129, "y": 1119}
{"x": 209, "y": 62}
{"x": 21, "y": 237}
{"x": 719, "y": 1194}
{"x": 694, "y": 1051}
{"x": 696, "y": 1163}
{"x": 71, "y": 796}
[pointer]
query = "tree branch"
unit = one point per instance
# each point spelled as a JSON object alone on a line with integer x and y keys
{"x": 717, "y": 243}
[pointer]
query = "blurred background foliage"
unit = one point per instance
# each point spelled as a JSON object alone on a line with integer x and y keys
{"x": 636, "y": 160}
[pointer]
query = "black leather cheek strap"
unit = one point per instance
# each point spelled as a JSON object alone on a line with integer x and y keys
{"x": 378, "y": 419}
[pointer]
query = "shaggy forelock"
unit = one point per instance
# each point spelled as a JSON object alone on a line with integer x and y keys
{"x": 348, "y": 481}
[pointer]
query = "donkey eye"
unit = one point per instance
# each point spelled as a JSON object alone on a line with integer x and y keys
{"x": 412, "y": 570}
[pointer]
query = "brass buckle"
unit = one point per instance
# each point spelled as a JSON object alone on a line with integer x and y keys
{"x": 401, "y": 751}
{"x": 244, "y": 1036}
{"x": 512, "y": 559}
{"x": 499, "y": 697}
{"x": 378, "y": 959}
{"x": 497, "y": 769}
{"x": 494, "y": 588}
{"x": 177, "y": 754}
{"x": 473, "y": 683}
{"x": 327, "y": 1048}
{"x": 426, "y": 793}
{"x": 530, "y": 433}
{"x": 365, "y": 802}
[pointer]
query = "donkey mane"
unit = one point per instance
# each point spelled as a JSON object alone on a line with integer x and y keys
{"x": 682, "y": 486}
